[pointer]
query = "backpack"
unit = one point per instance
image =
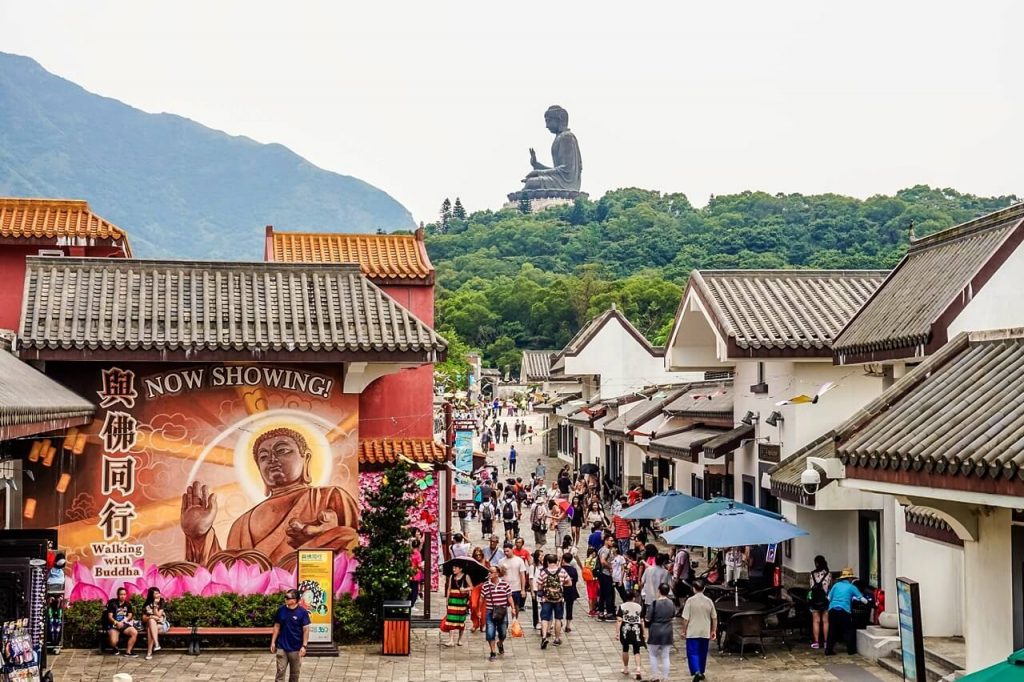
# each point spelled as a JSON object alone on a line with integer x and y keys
{"x": 535, "y": 518}
{"x": 552, "y": 587}
{"x": 487, "y": 511}
{"x": 816, "y": 596}
{"x": 508, "y": 512}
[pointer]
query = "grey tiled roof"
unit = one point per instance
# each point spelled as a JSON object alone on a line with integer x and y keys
{"x": 90, "y": 304}
{"x": 939, "y": 271}
{"x": 960, "y": 413}
{"x": 703, "y": 400}
{"x": 536, "y": 364}
{"x": 683, "y": 443}
{"x": 786, "y": 475}
{"x": 926, "y": 522}
{"x": 784, "y": 309}
{"x": 728, "y": 441}
{"x": 31, "y": 402}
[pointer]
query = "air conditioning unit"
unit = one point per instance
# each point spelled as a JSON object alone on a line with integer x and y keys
{"x": 50, "y": 252}
{"x": 760, "y": 388}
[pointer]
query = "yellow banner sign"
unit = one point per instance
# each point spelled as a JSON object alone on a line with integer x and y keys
{"x": 316, "y": 592}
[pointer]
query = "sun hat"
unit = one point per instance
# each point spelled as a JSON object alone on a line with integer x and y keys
{"x": 847, "y": 574}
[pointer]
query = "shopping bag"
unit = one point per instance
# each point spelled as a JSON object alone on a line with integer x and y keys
{"x": 516, "y": 630}
{"x": 445, "y": 627}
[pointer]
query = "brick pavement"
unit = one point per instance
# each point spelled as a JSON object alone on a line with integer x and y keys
{"x": 588, "y": 654}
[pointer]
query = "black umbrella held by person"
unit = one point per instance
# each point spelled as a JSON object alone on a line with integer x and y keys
{"x": 476, "y": 571}
{"x": 589, "y": 469}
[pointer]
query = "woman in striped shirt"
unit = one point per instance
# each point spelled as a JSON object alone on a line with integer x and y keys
{"x": 497, "y": 595}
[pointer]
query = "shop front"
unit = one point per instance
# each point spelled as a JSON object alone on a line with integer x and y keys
{"x": 226, "y": 437}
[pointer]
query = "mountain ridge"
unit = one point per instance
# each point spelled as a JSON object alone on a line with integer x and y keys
{"x": 160, "y": 176}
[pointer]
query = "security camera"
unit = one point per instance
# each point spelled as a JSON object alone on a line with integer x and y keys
{"x": 810, "y": 479}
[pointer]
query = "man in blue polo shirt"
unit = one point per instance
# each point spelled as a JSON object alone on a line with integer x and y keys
{"x": 840, "y": 612}
{"x": 290, "y": 636}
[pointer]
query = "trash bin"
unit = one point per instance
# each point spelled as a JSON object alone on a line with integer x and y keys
{"x": 397, "y": 617}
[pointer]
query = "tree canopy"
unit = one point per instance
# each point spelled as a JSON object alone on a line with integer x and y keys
{"x": 509, "y": 281}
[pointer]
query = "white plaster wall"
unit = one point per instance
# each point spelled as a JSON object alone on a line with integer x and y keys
{"x": 591, "y": 446}
{"x": 695, "y": 344}
{"x": 633, "y": 460}
{"x": 833, "y": 534}
{"x": 998, "y": 304}
{"x": 988, "y": 633}
{"x": 801, "y": 424}
{"x": 621, "y": 362}
{"x": 684, "y": 470}
{"x": 939, "y": 568}
{"x": 804, "y": 423}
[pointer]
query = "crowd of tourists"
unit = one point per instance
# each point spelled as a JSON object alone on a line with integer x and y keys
{"x": 614, "y": 571}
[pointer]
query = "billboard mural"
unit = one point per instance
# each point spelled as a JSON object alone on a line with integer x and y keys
{"x": 202, "y": 479}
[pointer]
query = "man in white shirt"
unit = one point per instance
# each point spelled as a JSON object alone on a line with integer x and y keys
{"x": 493, "y": 554}
{"x": 460, "y": 547}
{"x": 700, "y": 622}
{"x": 515, "y": 575}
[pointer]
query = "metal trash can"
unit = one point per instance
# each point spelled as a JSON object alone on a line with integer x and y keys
{"x": 397, "y": 621}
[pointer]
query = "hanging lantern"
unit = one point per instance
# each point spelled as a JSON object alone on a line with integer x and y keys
{"x": 62, "y": 484}
{"x": 80, "y": 442}
{"x": 30, "y": 508}
{"x": 70, "y": 437}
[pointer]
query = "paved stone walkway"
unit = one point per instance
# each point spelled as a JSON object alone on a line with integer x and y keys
{"x": 588, "y": 654}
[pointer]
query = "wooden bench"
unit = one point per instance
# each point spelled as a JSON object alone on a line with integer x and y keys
{"x": 104, "y": 641}
{"x": 199, "y": 631}
{"x": 195, "y": 633}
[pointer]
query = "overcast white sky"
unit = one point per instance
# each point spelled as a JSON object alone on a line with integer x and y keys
{"x": 434, "y": 99}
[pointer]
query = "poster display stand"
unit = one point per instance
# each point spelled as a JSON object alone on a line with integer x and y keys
{"x": 316, "y": 595}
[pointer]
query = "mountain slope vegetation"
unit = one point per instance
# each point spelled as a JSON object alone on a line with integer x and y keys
{"x": 510, "y": 281}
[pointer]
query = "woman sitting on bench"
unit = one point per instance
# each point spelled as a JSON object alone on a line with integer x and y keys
{"x": 154, "y": 618}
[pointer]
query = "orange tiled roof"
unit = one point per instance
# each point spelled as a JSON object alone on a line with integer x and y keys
{"x": 380, "y": 256}
{"x": 387, "y": 450}
{"x": 53, "y": 218}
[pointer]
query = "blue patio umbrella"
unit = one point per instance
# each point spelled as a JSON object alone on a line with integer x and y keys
{"x": 662, "y": 506}
{"x": 733, "y": 527}
{"x": 715, "y": 504}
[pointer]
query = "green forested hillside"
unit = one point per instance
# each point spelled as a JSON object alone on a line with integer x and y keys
{"x": 509, "y": 281}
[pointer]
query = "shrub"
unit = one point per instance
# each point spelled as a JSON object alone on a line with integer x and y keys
{"x": 82, "y": 619}
{"x": 384, "y": 568}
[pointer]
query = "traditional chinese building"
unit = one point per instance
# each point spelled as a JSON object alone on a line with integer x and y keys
{"x": 399, "y": 404}
{"x": 31, "y": 406}
{"x": 56, "y": 227}
{"x": 241, "y": 409}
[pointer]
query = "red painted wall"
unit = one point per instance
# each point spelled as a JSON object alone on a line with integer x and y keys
{"x": 398, "y": 405}
{"x": 417, "y": 299}
{"x": 12, "y": 273}
{"x": 12, "y": 283}
{"x": 401, "y": 405}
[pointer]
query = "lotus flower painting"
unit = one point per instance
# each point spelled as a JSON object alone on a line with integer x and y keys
{"x": 177, "y": 580}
